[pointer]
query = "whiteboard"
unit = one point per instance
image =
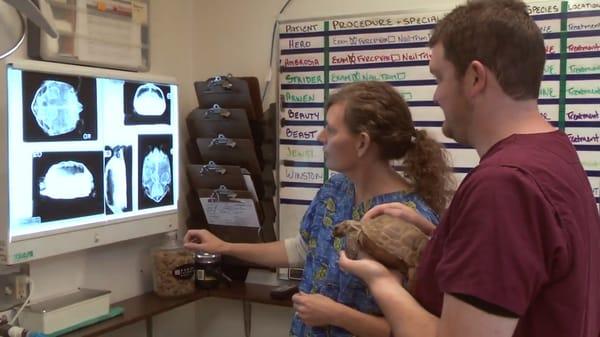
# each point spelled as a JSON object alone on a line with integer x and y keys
{"x": 317, "y": 56}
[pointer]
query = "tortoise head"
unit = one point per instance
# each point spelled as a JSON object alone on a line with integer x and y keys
{"x": 346, "y": 227}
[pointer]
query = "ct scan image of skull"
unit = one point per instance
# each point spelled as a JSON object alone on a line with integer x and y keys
{"x": 67, "y": 180}
{"x": 156, "y": 175}
{"x": 56, "y": 107}
{"x": 149, "y": 100}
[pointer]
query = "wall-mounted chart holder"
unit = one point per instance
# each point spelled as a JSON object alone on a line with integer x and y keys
{"x": 269, "y": 148}
{"x": 271, "y": 125}
{"x": 209, "y": 123}
{"x": 212, "y": 175}
{"x": 256, "y": 120}
{"x": 228, "y": 129}
{"x": 268, "y": 228}
{"x": 226, "y": 91}
{"x": 255, "y": 96}
{"x": 265, "y": 212}
{"x": 230, "y": 208}
{"x": 229, "y": 151}
{"x": 231, "y": 92}
{"x": 233, "y": 216}
{"x": 232, "y": 151}
{"x": 199, "y": 218}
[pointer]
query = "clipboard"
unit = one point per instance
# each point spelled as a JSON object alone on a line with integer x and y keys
{"x": 209, "y": 123}
{"x": 212, "y": 176}
{"x": 235, "y": 268}
{"x": 268, "y": 225}
{"x": 192, "y": 151}
{"x": 266, "y": 212}
{"x": 225, "y": 207}
{"x": 247, "y": 230}
{"x": 250, "y": 185}
{"x": 257, "y": 181}
{"x": 226, "y": 91}
{"x": 238, "y": 152}
{"x": 229, "y": 151}
{"x": 255, "y": 96}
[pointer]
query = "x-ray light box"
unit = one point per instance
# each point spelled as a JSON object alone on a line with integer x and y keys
{"x": 91, "y": 155}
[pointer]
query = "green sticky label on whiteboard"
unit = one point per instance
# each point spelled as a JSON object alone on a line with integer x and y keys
{"x": 23, "y": 256}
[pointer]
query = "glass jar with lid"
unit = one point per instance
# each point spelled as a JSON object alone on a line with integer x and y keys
{"x": 173, "y": 268}
{"x": 208, "y": 270}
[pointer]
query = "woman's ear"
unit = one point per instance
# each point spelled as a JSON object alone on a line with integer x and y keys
{"x": 363, "y": 144}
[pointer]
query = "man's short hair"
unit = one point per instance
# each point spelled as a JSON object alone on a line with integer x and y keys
{"x": 501, "y": 35}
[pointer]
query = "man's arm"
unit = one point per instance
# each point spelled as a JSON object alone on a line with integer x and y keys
{"x": 405, "y": 315}
{"x": 409, "y": 319}
{"x": 402, "y": 211}
{"x": 462, "y": 319}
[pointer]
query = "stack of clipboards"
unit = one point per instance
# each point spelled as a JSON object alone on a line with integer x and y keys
{"x": 231, "y": 183}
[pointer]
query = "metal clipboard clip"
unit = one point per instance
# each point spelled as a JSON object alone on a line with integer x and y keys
{"x": 222, "y": 194}
{"x": 217, "y": 111}
{"x": 212, "y": 167}
{"x": 222, "y": 140}
{"x": 220, "y": 81}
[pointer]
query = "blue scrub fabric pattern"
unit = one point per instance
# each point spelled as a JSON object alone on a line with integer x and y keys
{"x": 333, "y": 204}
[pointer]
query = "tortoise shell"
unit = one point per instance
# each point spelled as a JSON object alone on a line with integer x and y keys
{"x": 394, "y": 242}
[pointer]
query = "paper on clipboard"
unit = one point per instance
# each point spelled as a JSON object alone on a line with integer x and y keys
{"x": 232, "y": 212}
{"x": 139, "y": 12}
{"x": 249, "y": 183}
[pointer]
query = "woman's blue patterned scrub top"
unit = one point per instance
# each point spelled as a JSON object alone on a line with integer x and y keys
{"x": 333, "y": 204}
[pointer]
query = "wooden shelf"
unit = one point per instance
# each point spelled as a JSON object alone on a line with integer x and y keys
{"x": 143, "y": 307}
{"x": 257, "y": 293}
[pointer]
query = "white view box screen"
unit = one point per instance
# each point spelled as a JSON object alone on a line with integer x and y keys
{"x": 87, "y": 151}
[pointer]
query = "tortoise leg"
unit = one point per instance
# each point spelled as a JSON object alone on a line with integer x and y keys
{"x": 412, "y": 280}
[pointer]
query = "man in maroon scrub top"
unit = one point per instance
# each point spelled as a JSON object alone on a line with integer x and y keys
{"x": 518, "y": 250}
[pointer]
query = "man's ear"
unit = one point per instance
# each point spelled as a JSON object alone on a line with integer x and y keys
{"x": 475, "y": 79}
{"x": 363, "y": 143}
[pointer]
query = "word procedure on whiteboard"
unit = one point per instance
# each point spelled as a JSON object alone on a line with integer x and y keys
{"x": 231, "y": 212}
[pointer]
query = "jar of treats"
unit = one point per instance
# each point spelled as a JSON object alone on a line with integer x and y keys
{"x": 173, "y": 268}
{"x": 208, "y": 270}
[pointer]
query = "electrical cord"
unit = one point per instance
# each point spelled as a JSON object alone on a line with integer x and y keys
{"x": 270, "y": 74}
{"x": 21, "y": 39}
{"x": 18, "y": 313}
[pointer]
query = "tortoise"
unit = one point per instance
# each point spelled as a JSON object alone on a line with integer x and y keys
{"x": 394, "y": 242}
